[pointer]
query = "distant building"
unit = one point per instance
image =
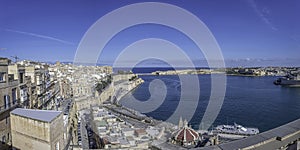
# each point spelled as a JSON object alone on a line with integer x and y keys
{"x": 43, "y": 89}
{"x": 37, "y": 129}
{"x": 140, "y": 132}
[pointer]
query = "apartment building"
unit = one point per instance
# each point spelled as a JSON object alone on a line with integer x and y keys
{"x": 8, "y": 101}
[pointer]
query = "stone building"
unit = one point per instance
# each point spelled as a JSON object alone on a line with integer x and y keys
{"x": 65, "y": 88}
{"x": 42, "y": 91}
{"x": 18, "y": 73}
{"x": 185, "y": 136}
{"x": 24, "y": 84}
{"x": 40, "y": 75}
{"x": 37, "y": 129}
{"x": 30, "y": 74}
{"x": 8, "y": 101}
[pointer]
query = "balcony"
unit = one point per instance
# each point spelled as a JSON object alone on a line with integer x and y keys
{"x": 25, "y": 104}
{"x": 48, "y": 99}
{"x": 11, "y": 83}
{"x": 10, "y": 106}
{"x": 22, "y": 84}
{"x": 3, "y": 84}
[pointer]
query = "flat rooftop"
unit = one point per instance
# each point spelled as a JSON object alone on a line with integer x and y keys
{"x": 41, "y": 115}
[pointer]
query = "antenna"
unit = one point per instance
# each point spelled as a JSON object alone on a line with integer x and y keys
{"x": 227, "y": 119}
{"x": 16, "y": 58}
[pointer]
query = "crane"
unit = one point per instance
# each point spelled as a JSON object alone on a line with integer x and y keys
{"x": 16, "y": 58}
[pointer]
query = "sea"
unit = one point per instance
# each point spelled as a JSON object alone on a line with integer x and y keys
{"x": 249, "y": 101}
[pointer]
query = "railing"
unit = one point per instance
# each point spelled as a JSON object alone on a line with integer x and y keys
{"x": 10, "y": 83}
{"x": 25, "y": 103}
{"x": 51, "y": 97}
{"x": 2, "y": 84}
{"x": 4, "y": 108}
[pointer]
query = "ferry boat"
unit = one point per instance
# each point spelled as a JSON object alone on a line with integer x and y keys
{"x": 236, "y": 129}
{"x": 289, "y": 80}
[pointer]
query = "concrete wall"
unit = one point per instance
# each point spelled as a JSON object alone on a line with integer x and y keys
{"x": 86, "y": 102}
{"x": 30, "y": 71}
{"x": 13, "y": 69}
{"x": 21, "y": 141}
{"x": 5, "y": 129}
{"x": 28, "y": 133}
{"x": 105, "y": 95}
{"x": 122, "y": 88}
{"x": 120, "y": 77}
{"x": 57, "y": 131}
{"x": 37, "y": 135}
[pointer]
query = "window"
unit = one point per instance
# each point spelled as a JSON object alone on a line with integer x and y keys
{"x": 6, "y": 120}
{"x": 2, "y": 76}
{"x": 10, "y": 77}
{"x": 3, "y": 139}
{"x": 14, "y": 95}
{"x": 6, "y": 102}
{"x": 21, "y": 77}
{"x": 57, "y": 146}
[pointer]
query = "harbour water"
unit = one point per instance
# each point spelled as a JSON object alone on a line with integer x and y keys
{"x": 249, "y": 101}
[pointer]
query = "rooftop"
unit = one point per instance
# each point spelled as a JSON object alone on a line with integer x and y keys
{"x": 41, "y": 115}
{"x": 4, "y": 61}
{"x": 100, "y": 123}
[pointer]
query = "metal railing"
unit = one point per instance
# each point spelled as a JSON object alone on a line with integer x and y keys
{"x": 10, "y": 83}
{"x": 8, "y": 106}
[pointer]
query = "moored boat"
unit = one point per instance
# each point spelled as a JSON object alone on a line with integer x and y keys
{"x": 236, "y": 129}
{"x": 289, "y": 80}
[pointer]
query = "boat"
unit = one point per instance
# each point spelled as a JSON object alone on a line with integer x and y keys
{"x": 236, "y": 129}
{"x": 289, "y": 81}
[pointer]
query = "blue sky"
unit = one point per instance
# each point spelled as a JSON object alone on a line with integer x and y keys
{"x": 244, "y": 29}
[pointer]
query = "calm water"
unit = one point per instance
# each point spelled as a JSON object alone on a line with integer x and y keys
{"x": 250, "y": 101}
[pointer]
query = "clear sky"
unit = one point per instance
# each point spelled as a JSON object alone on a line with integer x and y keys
{"x": 245, "y": 29}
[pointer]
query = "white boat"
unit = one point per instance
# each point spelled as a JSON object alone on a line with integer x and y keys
{"x": 236, "y": 130}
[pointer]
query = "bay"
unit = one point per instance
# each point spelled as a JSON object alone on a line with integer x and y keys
{"x": 249, "y": 101}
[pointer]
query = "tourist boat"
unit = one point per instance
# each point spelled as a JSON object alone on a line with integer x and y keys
{"x": 236, "y": 130}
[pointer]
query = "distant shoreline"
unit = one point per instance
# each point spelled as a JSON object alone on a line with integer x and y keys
{"x": 248, "y": 72}
{"x": 207, "y": 74}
